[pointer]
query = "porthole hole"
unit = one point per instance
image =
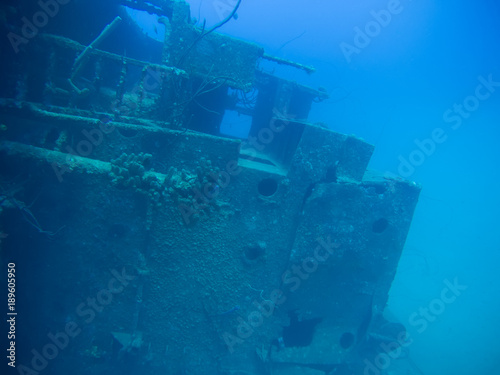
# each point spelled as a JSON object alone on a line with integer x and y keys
{"x": 267, "y": 187}
{"x": 252, "y": 254}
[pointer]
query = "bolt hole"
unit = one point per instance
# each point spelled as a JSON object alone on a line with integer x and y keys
{"x": 267, "y": 187}
{"x": 252, "y": 254}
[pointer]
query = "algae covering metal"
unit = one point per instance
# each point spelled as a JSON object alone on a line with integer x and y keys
{"x": 149, "y": 242}
{"x": 211, "y": 280}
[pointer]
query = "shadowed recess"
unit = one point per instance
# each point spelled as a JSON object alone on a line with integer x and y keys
{"x": 267, "y": 187}
{"x": 300, "y": 332}
{"x": 346, "y": 340}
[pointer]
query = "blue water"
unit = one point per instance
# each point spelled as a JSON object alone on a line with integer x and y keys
{"x": 395, "y": 91}
{"x": 420, "y": 80}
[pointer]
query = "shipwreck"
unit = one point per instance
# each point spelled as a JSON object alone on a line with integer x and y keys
{"x": 148, "y": 241}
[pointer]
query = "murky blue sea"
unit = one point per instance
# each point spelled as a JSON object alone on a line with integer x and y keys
{"x": 249, "y": 187}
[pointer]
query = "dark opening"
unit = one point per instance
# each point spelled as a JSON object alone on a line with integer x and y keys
{"x": 299, "y": 333}
{"x": 254, "y": 252}
{"x": 208, "y": 108}
{"x": 300, "y": 103}
{"x": 267, "y": 187}
{"x": 346, "y": 340}
{"x": 128, "y": 132}
{"x": 331, "y": 174}
{"x": 52, "y": 136}
{"x": 380, "y": 225}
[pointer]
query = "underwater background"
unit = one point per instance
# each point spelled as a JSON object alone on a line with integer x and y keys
{"x": 424, "y": 89}
{"x": 395, "y": 91}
